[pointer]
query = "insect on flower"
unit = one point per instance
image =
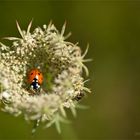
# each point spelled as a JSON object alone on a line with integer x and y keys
{"x": 79, "y": 96}
{"x": 54, "y": 81}
{"x": 35, "y": 79}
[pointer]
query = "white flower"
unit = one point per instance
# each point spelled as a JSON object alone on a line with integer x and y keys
{"x": 5, "y": 95}
{"x": 61, "y": 63}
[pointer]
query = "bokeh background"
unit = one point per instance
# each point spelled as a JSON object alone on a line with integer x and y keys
{"x": 112, "y": 28}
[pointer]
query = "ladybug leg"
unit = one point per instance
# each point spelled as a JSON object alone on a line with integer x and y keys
{"x": 30, "y": 90}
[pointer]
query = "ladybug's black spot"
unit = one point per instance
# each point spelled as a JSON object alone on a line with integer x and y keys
{"x": 32, "y": 73}
{"x": 35, "y": 85}
{"x": 38, "y": 73}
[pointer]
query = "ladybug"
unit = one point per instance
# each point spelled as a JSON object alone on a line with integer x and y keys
{"x": 35, "y": 79}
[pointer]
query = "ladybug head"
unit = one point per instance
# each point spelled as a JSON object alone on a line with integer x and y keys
{"x": 35, "y": 74}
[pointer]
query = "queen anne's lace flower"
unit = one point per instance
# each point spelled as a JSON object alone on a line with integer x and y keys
{"x": 60, "y": 62}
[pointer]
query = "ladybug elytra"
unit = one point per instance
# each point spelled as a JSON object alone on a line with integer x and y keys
{"x": 35, "y": 79}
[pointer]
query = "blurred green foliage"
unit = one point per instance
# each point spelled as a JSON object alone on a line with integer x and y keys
{"x": 111, "y": 27}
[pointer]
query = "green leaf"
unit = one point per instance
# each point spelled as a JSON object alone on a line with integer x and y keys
{"x": 57, "y": 125}
{"x": 87, "y": 89}
{"x": 29, "y": 27}
{"x": 63, "y": 111}
{"x": 73, "y": 110}
{"x": 50, "y": 123}
{"x": 63, "y": 120}
{"x": 19, "y": 29}
{"x": 79, "y": 106}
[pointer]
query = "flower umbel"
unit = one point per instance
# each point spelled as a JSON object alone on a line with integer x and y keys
{"x": 61, "y": 63}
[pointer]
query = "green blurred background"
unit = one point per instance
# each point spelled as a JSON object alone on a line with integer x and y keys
{"x": 112, "y": 28}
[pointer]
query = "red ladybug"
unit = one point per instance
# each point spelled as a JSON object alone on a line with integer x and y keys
{"x": 35, "y": 79}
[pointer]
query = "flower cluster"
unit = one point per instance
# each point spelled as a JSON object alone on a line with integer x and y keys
{"x": 60, "y": 62}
